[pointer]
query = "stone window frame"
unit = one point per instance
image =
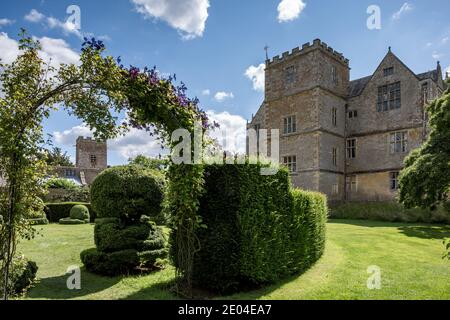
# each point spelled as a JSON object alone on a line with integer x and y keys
{"x": 290, "y": 127}
{"x": 351, "y": 183}
{"x": 393, "y": 180}
{"x": 290, "y": 161}
{"x": 335, "y": 189}
{"x": 290, "y": 75}
{"x": 93, "y": 159}
{"x": 334, "y": 76}
{"x": 334, "y": 116}
{"x": 335, "y": 156}
{"x": 70, "y": 173}
{"x": 389, "y": 97}
{"x": 388, "y": 71}
{"x": 351, "y": 149}
{"x": 425, "y": 91}
{"x": 398, "y": 142}
{"x": 353, "y": 114}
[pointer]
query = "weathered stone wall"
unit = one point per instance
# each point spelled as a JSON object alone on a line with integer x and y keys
{"x": 320, "y": 82}
{"x": 373, "y": 152}
{"x": 87, "y": 147}
{"x": 410, "y": 113}
{"x": 372, "y": 187}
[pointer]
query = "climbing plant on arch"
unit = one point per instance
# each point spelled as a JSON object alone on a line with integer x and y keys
{"x": 155, "y": 104}
{"x": 94, "y": 90}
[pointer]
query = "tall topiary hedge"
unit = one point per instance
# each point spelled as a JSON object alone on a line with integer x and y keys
{"x": 258, "y": 230}
{"x": 126, "y": 239}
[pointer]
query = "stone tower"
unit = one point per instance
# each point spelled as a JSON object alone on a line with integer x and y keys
{"x": 305, "y": 98}
{"x": 346, "y": 139}
{"x": 91, "y": 154}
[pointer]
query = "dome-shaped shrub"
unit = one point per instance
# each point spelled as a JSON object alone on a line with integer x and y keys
{"x": 80, "y": 212}
{"x": 127, "y": 193}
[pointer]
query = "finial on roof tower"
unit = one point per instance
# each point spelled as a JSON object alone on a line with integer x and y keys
{"x": 266, "y": 48}
{"x": 390, "y": 49}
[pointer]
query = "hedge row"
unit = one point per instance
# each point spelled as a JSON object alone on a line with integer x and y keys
{"x": 258, "y": 229}
{"x": 58, "y": 211}
{"x": 389, "y": 211}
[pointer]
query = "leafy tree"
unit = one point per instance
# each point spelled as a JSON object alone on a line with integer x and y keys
{"x": 149, "y": 163}
{"x": 60, "y": 183}
{"x": 425, "y": 180}
{"x": 57, "y": 158}
{"x": 31, "y": 88}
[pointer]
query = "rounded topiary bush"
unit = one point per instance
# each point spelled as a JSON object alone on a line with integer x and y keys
{"x": 80, "y": 212}
{"x": 127, "y": 193}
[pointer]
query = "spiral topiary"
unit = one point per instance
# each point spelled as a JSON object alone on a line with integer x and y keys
{"x": 126, "y": 239}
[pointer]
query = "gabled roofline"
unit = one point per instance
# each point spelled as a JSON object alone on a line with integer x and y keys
{"x": 379, "y": 65}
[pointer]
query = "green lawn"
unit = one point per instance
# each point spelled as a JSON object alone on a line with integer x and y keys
{"x": 409, "y": 256}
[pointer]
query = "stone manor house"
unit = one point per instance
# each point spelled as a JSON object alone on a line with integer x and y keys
{"x": 347, "y": 139}
{"x": 91, "y": 159}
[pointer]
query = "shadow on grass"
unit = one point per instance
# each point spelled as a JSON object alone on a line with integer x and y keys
{"x": 417, "y": 230}
{"x": 426, "y": 232}
{"x": 56, "y": 287}
{"x": 158, "y": 291}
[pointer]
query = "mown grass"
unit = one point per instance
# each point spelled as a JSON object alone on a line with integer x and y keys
{"x": 409, "y": 256}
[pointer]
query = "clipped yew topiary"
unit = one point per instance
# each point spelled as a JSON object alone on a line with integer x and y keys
{"x": 259, "y": 230}
{"x": 127, "y": 240}
{"x": 127, "y": 192}
{"x": 79, "y": 214}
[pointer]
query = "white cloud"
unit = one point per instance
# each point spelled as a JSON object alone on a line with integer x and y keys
{"x": 406, "y": 7}
{"x": 68, "y": 137}
{"x": 289, "y": 10}
{"x": 436, "y": 55}
{"x": 232, "y": 134}
{"x": 57, "y": 51}
{"x": 445, "y": 40}
{"x": 222, "y": 96}
{"x": 5, "y": 22}
{"x": 67, "y": 27}
{"x": 447, "y": 71}
{"x": 9, "y": 48}
{"x": 133, "y": 143}
{"x": 206, "y": 92}
{"x": 34, "y": 16}
{"x": 54, "y": 51}
{"x": 187, "y": 16}
{"x": 257, "y": 76}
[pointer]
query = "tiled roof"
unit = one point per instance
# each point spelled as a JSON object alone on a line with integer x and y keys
{"x": 357, "y": 86}
{"x": 433, "y": 75}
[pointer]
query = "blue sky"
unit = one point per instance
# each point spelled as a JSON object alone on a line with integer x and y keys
{"x": 211, "y": 44}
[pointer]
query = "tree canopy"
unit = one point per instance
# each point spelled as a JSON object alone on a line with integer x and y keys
{"x": 55, "y": 157}
{"x": 425, "y": 180}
